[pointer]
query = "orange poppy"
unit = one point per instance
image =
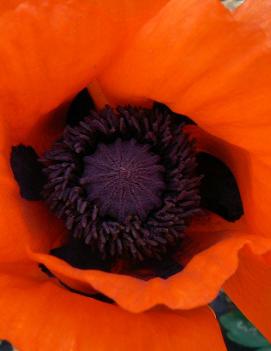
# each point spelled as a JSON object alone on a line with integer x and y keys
{"x": 201, "y": 61}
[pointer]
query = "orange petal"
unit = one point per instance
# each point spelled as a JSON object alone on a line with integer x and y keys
{"x": 195, "y": 93}
{"x": 22, "y": 222}
{"x": 217, "y": 72}
{"x": 201, "y": 61}
{"x": 259, "y": 203}
{"x": 39, "y": 315}
{"x": 250, "y": 289}
{"x": 50, "y": 50}
{"x": 252, "y": 174}
{"x": 196, "y": 285}
{"x": 256, "y": 12}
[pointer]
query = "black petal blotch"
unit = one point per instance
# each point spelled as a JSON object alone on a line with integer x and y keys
{"x": 79, "y": 108}
{"x": 219, "y": 189}
{"x": 5, "y": 346}
{"x": 177, "y": 117}
{"x": 27, "y": 171}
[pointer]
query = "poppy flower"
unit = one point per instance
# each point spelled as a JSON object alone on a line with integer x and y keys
{"x": 200, "y": 61}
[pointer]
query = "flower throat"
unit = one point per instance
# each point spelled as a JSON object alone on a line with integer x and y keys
{"x": 124, "y": 182}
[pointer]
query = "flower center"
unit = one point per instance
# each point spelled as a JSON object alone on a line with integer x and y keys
{"x": 124, "y": 178}
{"x": 124, "y": 182}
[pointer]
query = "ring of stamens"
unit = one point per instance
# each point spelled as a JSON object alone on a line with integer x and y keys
{"x": 128, "y": 224}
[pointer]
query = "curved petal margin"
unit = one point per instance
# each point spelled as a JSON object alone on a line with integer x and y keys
{"x": 37, "y": 315}
{"x": 196, "y": 285}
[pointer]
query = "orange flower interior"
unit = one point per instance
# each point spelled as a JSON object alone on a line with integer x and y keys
{"x": 200, "y": 61}
{"x": 126, "y": 183}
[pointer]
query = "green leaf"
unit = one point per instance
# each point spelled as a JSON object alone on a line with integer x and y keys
{"x": 268, "y": 348}
{"x": 241, "y": 331}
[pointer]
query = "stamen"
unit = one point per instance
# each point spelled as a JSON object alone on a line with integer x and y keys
{"x": 124, "y": 182}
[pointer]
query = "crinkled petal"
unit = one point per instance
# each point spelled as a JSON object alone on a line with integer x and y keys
{"x": 37, "y": 315}
{"x": 214, "y": 260}
{"x": 210, "y": 254}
